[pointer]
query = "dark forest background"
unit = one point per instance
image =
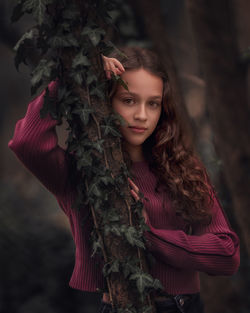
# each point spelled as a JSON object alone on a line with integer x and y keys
{"x": 204, "y": 45}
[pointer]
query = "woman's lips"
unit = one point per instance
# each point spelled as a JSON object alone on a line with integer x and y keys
{"x": 137, "y": 130}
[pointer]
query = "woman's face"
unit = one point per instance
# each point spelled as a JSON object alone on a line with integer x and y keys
{"x": 140, "y": 106}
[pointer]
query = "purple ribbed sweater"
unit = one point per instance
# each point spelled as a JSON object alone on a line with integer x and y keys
{"x": 179, "y": 257}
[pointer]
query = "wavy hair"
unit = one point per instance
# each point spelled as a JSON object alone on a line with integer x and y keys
{"x": 171, "y": 157}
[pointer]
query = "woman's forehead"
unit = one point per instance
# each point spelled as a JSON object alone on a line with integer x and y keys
{"x": 141, "y": 82}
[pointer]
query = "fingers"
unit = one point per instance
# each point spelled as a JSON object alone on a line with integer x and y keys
{"x": 118, "y": 65}
{"x": 135, "y": 190}
{"x": 112, "y": 65}
{"x": 135, "y": 195}
{"x": 133, "y": 185}
{"x": 145, "y": 215}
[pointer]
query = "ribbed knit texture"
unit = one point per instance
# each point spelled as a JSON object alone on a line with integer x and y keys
{"x": 178, "y": 257}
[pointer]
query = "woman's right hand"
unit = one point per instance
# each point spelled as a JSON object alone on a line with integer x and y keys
{"x": 112, "y": 65}
{"x": 135, "y": 193}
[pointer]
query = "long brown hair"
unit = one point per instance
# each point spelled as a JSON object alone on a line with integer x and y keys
{"x": 171, "y": 158}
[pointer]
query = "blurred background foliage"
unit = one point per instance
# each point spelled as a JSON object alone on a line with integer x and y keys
{"x": 37, "y": 252}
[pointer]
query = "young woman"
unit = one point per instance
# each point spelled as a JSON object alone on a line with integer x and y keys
{"x": 189, "y": 232}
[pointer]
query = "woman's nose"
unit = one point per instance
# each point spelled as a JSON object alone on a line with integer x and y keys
{"x": 140, "y": 112}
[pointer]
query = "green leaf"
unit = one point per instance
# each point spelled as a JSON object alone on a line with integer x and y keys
{"x": 95, "y": 91}
{"x": 106, "y": 229}
{"x": 147, "y": 309}
{"x": 96, "y": 245}
{"x": 85, "y": 161}
{"x": 17, "y": 12}
{"x": 28, "y": 35}
{"x": 107, "y": 180}
{"x": 94, "y": 34}
{"x": 70, "y": 13}
{"x": 91, "y": 78}
{"x": 110, "y": 130}
{"x": 131, "y": 235}
{"x": 80, "y": 60}
{"x": 119, "y": 80}
{"x": 84, "y": 113}
{"x": 143, "y": 280}
{"x": 128, "y": 268}
{"x": 115, "y": 229}
{"x": 119, "y": 120}
{"x": 49, "y": 106}
{"x": 111, "y": 267}
{"x": 37, "y": 7}
{"x": 157, "y": 284}
{"x": 43, "y": 70}
{"x": 111, "y": 45}
{"x": 63, "y": 41}
{"x": 94, "y": 190}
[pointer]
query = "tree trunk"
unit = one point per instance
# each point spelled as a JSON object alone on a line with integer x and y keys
{"x": 225, "y": 78}
{"x": 122, "y": 291}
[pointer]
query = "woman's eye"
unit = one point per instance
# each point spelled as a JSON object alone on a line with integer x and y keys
{"x": 128, "y": 100}
{"x": 154, "y": 104}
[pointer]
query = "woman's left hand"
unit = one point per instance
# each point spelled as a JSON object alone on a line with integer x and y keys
{"x": 112, "y": 65}
{"x": 135, "y": 193}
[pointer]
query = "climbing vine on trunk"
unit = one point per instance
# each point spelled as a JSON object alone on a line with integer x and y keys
{"x": 69, "y": 38}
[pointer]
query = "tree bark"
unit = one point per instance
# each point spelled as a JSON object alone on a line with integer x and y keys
{"x": 226, "y": 81}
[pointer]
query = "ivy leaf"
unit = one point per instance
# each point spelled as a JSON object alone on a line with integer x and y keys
{"x": 128, "y": 309}
{"x": 106, "y": 229}
{"x": 17, "y": 12}
{"x": 96, "y": 245}
{"x": 24, "y": 47}
{"x": 118, "y": 119}
{"x": 111, "y": 267}
{"x": 94, "y": 34}
{"x": 128, "y": 268}
{"x": 37, "y": 7}
{"x": 43, "y": 70}
{"x": 147, "y": 309}
{"x": 84, "y": 114}
{"x": 49, "y": 106}
{"x": 85, "y": 161}
{"x": 133, "y": 238}
{"x": 111, "y": 45}
{"x": 119, "y": 80}
{"x": 115, "y": 228}
{"x": 96, "y": 91}
{"x": 157, "y": 284}
{"x": 65, "y": 41}
{"x": 95, "y": 190}
{"x": 91, "y": 78}
{"x": 143, "y": 281}
{"x": 80, "y": 60}
{"x": 113, "y": 217}
{"x": 110, "y": 130}
{"x": 106, "y": 179}
{"x": 28, "y": 35}
{"x": 78, "y": 77}
{"x": 70, "y": 13}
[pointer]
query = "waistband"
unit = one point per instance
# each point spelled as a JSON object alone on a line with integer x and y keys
{"x": 178, "y": 300}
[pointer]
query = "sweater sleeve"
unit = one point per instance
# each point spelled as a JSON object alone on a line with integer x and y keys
{"x": 35, "y": 143}
{"x": 213, "y": 249}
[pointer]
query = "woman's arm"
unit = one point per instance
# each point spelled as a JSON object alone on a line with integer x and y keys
{"x": 213, "y": 249}
{"x": 35, "y": 143}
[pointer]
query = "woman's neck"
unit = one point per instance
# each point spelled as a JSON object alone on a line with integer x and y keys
{"x": 135, "y": 153}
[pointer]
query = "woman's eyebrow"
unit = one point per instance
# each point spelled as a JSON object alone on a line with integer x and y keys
{"x": 136, "y": 95}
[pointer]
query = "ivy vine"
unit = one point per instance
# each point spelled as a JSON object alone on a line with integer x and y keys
{"x": 69, "y": 38}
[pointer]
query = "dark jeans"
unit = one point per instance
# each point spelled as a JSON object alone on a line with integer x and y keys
{"x": 178, "y": 304}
